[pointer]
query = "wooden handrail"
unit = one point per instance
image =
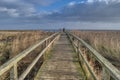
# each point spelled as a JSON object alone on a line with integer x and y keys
{"x": 36, "y": 59}
{"x": 113, "y": 71}
{"x": 12, "y": 62}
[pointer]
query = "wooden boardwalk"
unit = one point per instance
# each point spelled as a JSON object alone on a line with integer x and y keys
{"x": 63, "y": 63}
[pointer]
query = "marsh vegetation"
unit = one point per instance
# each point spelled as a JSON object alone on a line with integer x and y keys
{"x": 14, "y": 42}
{"x": 107, "y": 43}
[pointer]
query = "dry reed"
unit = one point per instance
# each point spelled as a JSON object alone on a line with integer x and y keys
{"x": 13, "y": 42}
{"x": 106, "y": 43}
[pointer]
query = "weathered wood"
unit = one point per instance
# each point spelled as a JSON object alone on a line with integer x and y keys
{"x": 82, "y": 58}
{"x": 14, "y": 73}
{"x": 105, "y": 74}
{"x": 46, "y": 43}
{"x": 5, "y": 67}
{"x": 61, "y": 65}
{"x": 88, "y": 65}
{"x": 113, "y": 71}
{"x": 24, "y": 74}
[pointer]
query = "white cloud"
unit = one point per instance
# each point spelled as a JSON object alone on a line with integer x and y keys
{"x": 2, "y": 9}
{"x": 16, "y": 8}
{"x": 13, "y": 12}
{"x": 89, "y": 1}
{"x": 71, "y": 3}
{"x": 77, "y": 15}
{"x": 81, "y": 2}
{"x": 106, "y": 1}
{"x": 10, "y": 1}
{"x": 10, "y": 12}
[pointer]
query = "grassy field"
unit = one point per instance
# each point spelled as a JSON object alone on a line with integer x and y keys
{"x": 107, "y": 43}
{"x": 14, "y": 42}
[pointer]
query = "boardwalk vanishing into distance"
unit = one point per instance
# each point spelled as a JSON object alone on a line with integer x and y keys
{"x": 63, "y": 64}
{"x": 68, "y": 58}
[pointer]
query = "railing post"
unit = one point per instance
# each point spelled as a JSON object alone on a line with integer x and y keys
{"x": 105, "y": 74}
{"x": 14, "y": 73}
{"x": 75, "y": 43}
{"x": 46, "y": 43}
{"x": 107, "y": 70}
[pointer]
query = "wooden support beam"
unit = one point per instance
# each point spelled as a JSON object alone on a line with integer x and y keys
{"x": 112, "y": 70}
{"x": 25, "y": 73}
{"x": 12, "y": 63}
{"x": 14, "y": 73}
{"x": 105, "y": 74}
{"x": 46, "y": 43}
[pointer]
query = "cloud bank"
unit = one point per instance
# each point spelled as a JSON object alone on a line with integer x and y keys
{"x": 90, "y": 14}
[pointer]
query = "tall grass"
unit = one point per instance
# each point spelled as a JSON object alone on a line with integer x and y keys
{"x": 106, "y": 43}
{"x": 13, "y": 42}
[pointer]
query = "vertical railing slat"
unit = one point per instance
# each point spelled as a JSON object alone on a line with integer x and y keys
{"x": 11, "y": 65}
{"x": 14, "y": 73}
{"x": 105, "y": 74}
{"x": 109, "y": 71}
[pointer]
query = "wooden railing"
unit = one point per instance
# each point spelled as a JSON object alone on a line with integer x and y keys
{"x": 99, "y": 67}
{"x": 11, "y": 65}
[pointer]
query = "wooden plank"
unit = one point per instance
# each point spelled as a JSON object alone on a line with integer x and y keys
{"x": 62, "y": 65}
{"x": 88, "y": 66}
{"x": 114, "y": 72}
{"x": 5, "y": 67}
{"x": 83, "y": 59}
{"x": 105, "y": 74}
{"x": 13, "y": 73}
{"x": 24, "y": 74}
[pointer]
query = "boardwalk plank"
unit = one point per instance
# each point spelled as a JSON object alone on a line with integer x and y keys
{"x": 62, "y": 65}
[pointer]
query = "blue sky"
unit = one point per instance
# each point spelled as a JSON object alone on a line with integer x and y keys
{"x": 55, "y": 6}
{"x": 56, "y": 14}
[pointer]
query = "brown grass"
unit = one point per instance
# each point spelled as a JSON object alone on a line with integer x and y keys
{"x": 14, "y": 42}
{"x": 106, "y": 43}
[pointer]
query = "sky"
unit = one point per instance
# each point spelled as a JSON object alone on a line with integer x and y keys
{"x": 57, "y": 14}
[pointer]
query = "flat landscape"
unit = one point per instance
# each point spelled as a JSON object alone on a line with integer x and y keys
{"x": 32, "y": 30}
{"x": 107, "y": 43}
{"x": 14, "y": 42}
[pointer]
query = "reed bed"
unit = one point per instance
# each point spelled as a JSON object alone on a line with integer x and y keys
{"x": 107, "y": 43}
{"x": 14, "y": 42}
